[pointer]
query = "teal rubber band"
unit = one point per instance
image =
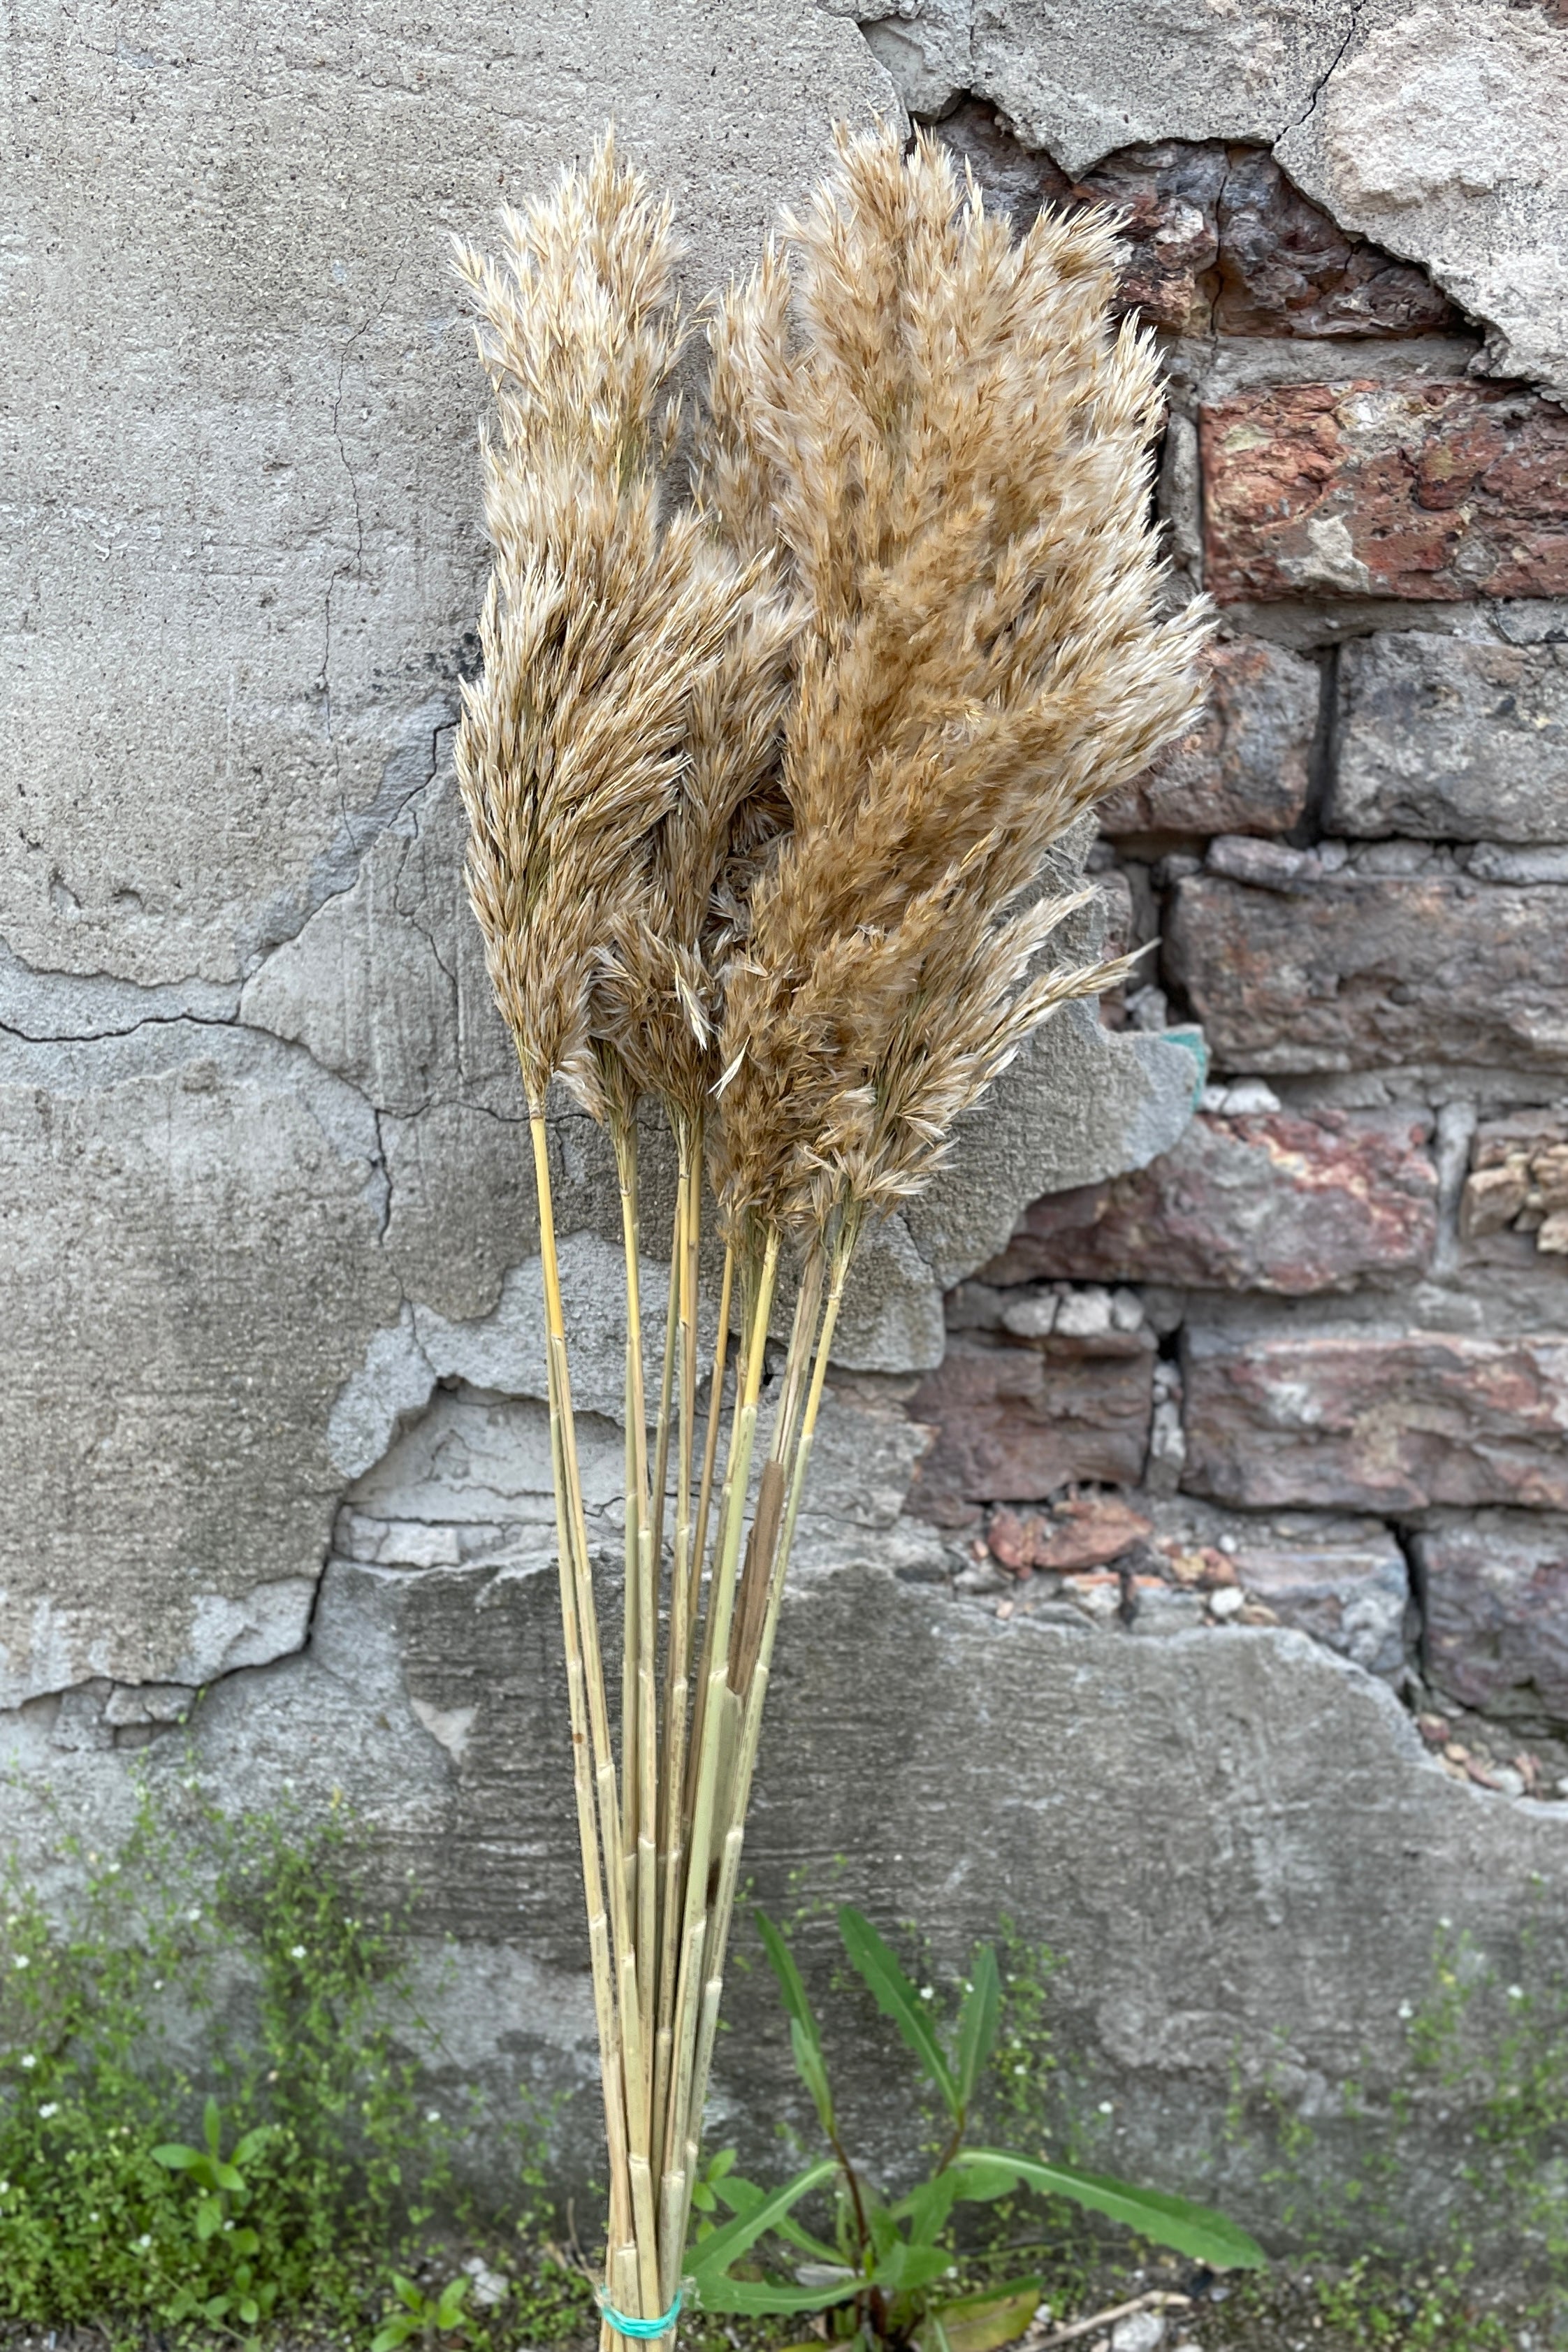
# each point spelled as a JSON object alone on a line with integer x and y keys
{"x": 641, "y": 2331}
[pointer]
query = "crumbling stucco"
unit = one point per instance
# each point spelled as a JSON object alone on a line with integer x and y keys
{"x": 1436, "y": 129}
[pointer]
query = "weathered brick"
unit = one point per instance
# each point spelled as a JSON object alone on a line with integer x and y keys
{"x": 1457, "y": 741}
{"x": 1518, "y": 1186}
{"x": 1359, "y": 970}
{"x": 1015, "y": 1422}
{"x": 1081, "y": 1531}
{"x": 1351, "y": 1594}
{"x": 1243, "y": 767}
{"x": 1267, "y": 1201}
{"x": 1215, "y": 238}
{"x": 1495, "y": 1615}
{"x": 1417, "y": 489}
{"x": 1168, "y": 196}
{"x": 1376, "y": 1424}
{"x": 1286, "y": 268}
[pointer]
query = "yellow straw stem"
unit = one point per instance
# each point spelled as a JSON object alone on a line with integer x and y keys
{"x": 597, "y": 1810}
{"x": 717, "y": 1720}
{"x": 750, "y": 1732}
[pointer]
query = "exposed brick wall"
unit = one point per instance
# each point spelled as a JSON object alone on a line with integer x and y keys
{"x": 1312, "y": 1368}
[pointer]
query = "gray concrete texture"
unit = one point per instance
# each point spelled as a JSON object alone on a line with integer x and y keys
{"x": 257, "y": 1107}
{"x": 268, "y": 1280}
{"x": 1233, "y": 1839}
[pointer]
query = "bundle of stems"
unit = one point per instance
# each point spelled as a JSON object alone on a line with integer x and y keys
{"x": 761, "y": 782}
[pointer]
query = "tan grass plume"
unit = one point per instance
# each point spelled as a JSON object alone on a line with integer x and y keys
{"x": 951, "y": 443}
{"x": 762, "y": 787}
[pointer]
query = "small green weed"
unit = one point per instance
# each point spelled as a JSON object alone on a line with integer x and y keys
{"x": 307, "y": 2157}
{"x": 220, "y": 2193}
{"x": 426, "y": 2317}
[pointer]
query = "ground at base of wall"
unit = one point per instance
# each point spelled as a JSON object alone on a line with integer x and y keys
{"x": 1093, "y": 2304}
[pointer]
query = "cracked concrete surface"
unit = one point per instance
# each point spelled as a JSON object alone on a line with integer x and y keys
{"x": 270, "y": 1428}
{"x": 265, "y": 1181}
{"x": 190, "y": 1266}
{"x": 243, "y": 556}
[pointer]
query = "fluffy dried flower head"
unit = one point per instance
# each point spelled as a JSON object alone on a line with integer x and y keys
{"x": 608, "y": 628}
{"x": 951, "y": 441}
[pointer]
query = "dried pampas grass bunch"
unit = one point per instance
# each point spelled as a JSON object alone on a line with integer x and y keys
{"x": 761, "y": 785}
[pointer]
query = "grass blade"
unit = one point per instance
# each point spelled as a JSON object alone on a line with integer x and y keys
{"x": 977, "y": 2020}
{"x": 805, "y": 2038}
{"x": 897, "y": 1999}
{"x": 1188, "y": 2228}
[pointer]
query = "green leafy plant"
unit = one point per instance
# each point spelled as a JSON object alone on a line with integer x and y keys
{"x": 882, "y": 2271}
{"x": 221, "y": 2193}
{"x": 428, "y": 2318}
{"x": 310, "y": 2154}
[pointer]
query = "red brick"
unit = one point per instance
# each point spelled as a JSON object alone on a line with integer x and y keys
{"x": 1377, "y": 1423}
{"x": 1015, "y": 1422}
{"x": 1243, "y": 768}
{"x": 1355, "y": 971}
{"x": 1265, "y": 1201}
{"x": 1082, "y": 1531}
{"x": 1419, "y": 490}
{"x": 1495, "y": 1615}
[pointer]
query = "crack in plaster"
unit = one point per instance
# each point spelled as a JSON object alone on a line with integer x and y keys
{"x": 356, "y": 570}
{"x": 1321, "y": 85}
{"x": 335, "y": 869}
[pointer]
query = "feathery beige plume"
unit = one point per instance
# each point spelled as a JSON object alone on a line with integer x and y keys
{"x": 951, "y": 445}
{"x": 607, "y": 623}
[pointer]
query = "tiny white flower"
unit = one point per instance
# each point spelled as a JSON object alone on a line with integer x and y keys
{"x": 1445, "y": 1924}
{"x": 1406, "y": 2011}
{"x": 296, "y": 1951}
{"x": 1516, "y": 1993}
{"x": 20, "y": 1960}
{"x": 29, "y": 2061}
{"x": 433, "y": 2115}
{"x": 50, "y": 2107}
{"x": 92, "y": 2217}
{"x": 1106, "y": 2107}
{"x": 112, "y": 1871}
{"x": 1020, "y": 2070}
{"x": 143, "y": 2241}
{"x": 157, "y": 1984}
{"x": 927, "y": 1993}
{"x": 194, "y": 1916}
{"x": 5, "y": 2188}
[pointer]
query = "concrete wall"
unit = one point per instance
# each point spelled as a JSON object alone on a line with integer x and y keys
{"x": 1284, "y": 1385}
